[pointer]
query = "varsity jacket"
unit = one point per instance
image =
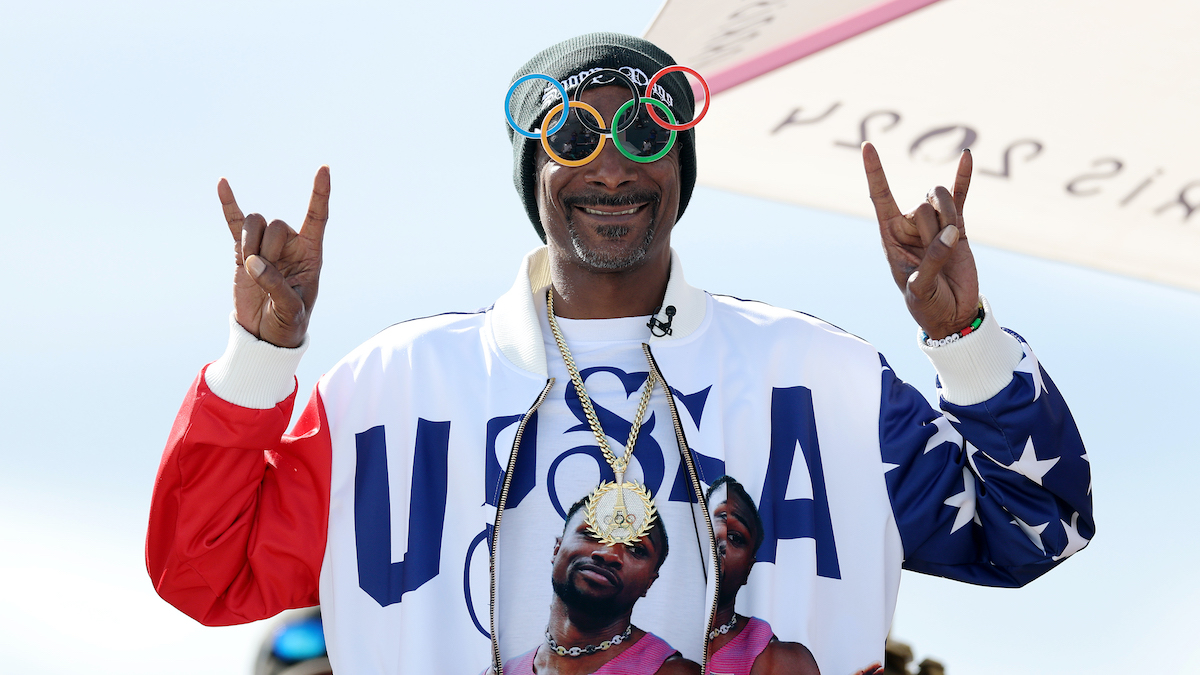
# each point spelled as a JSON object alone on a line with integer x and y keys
{"x": 386, "y": 502}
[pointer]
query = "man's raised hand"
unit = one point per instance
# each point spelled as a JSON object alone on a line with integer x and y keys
{"x": 927, "y": 249}
{"x": 278, "y": 269}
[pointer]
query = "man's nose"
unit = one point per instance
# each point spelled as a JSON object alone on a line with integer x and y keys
{"x": 610, "y": 169}
{"x": 607, "y": 555}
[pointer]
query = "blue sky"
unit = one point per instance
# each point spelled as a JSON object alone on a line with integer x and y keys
{"x": 116, "y": 121}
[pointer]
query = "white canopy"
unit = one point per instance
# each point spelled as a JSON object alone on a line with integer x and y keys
{"x": 1080, "y": 114}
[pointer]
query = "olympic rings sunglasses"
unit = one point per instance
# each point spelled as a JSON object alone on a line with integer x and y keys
{"x": 578, "y": 138}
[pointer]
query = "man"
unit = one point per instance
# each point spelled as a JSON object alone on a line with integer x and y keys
{"x": 595, "y": 588}
{"x": 857, "y": 475}
{"x": 744, "y": 645}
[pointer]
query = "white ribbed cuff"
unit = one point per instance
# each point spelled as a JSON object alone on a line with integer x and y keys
{"x": 976, "y": 367}
{"x": 253, "y": 373}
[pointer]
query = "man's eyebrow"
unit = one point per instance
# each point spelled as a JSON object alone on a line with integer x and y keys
{"x": 743, "y": 521}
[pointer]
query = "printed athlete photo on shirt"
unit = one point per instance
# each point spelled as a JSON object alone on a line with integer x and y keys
{"x": 603, "y": 460}
{"x": 597, "y": 583}
{"x": 741, "y": 645}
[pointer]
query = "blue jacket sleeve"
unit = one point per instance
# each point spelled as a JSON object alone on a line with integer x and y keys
{"x": 995, "y": 493}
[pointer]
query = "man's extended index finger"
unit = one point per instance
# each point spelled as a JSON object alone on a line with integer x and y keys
{"x": 318, "y": 207}
{"x": 881, "y": 194}
{"x": 233, "y": 215}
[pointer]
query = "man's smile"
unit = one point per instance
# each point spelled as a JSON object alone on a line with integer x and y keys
{"x": 607, "y": 213}
{"x": 611, "y": 209}
{"x": 611, "y": 222}
{"x": 611, "y": 217}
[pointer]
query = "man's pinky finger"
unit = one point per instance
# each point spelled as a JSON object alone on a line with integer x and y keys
{"x": 318, "y": 207}
{"x": 962, "y": 181}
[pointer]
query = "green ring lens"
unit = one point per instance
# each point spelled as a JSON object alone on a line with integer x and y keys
{"x": 670, "y": 139}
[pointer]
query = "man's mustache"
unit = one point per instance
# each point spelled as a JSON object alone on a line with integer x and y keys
{"x": 597, "y": 198}
{"x": 600, "y": 568}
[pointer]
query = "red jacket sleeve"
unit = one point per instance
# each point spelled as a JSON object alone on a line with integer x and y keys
{"x": 240, "y": 511}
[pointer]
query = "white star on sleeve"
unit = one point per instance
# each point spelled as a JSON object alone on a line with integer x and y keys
{"x": 1029, "y": 364}
{"x": 964, "y": 502}
{"x": 1084, "y": 457}
{"x": 944, "y": 433}
{"x": 1034, "y": 532}
{"x": 1030, "y": 466}
{"x": 1075, "y": 541}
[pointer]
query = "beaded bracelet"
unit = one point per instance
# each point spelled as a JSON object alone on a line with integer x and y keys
{"x": 955, "y": 337}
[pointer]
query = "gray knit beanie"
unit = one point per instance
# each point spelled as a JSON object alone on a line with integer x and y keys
{"x": 569, "y": 62}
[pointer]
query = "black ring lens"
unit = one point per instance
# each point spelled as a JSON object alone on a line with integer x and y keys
{"x": 614, "y": 74}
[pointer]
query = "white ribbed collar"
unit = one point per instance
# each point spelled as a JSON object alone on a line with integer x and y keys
{"x": 517, "y": 330}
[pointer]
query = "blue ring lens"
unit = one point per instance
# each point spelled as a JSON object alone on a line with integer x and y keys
{"x": 562, "y": 91}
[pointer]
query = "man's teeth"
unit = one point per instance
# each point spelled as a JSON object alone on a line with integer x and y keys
{"x": 626, "y": 212}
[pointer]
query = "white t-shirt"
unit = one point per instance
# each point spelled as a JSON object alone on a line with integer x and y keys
{"x": 609, "y": 355}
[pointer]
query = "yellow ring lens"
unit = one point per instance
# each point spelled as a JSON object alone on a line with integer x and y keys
{"x": 546, "y": 143}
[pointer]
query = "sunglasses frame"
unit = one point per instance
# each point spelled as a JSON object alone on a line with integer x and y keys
{"x": 670, "y": 143}
{"x": 648, "y": 101}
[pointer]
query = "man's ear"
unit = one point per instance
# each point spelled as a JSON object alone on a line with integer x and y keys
{"x": 557, "y": 543}
{"x": 652, "y": 580}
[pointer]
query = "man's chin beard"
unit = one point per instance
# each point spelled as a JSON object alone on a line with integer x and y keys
{"x": 600, "y": 610}
{"x": 612, "y": 261}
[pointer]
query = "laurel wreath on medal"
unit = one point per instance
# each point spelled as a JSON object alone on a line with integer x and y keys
{"x": 618, "y": 523}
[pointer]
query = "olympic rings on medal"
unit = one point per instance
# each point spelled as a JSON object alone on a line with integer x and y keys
{"x": 620, "y": 520}
{"x": 672, "y": 126}
{"x": 545, "y": 135}
{"x": 562, "y": 91}
{"x": 666, "y": 147}
{"x": 610, "y": 72}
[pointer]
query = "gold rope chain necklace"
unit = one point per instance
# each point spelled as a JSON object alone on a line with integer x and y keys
{"x": 620, "y": 512}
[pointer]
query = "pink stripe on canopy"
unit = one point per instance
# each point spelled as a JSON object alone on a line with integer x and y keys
{"x": 809, "y": 43}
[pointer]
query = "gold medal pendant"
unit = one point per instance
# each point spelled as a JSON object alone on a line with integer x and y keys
{"x": 620, "y": 513}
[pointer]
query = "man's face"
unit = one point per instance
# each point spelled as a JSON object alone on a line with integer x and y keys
{"x": 734, "y": 528}
{"x": 612, "y": 213}
{"x": 603, "y": 581}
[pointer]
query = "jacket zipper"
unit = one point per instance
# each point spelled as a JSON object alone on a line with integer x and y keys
{"x": 508, "y": 476}
{"x": 686, "y": 454}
